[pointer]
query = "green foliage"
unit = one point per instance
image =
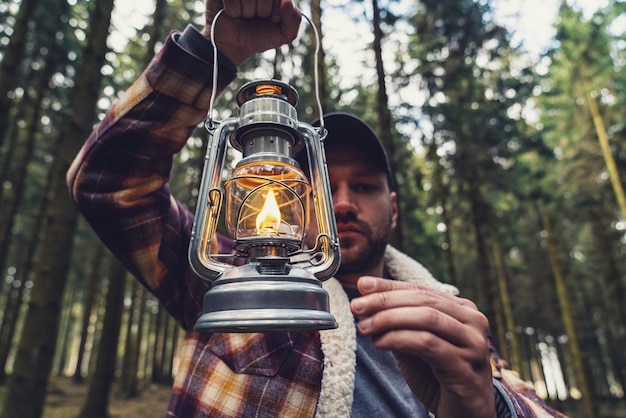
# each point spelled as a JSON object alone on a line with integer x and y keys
{"x": 588, "y": 51}
{"x": 471, "y": 117}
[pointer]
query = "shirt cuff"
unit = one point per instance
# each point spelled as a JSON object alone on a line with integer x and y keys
{"x": 183, "y": 75}
{"x": 196, "y": 44}
{"x": 504, "y": 406}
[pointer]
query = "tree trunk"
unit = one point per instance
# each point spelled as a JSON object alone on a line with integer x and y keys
{"x": 613, "y": 293}
{"x": 611, "y": 281}
{"x": 67, "y": 329}
{"x": 12, "y": 200}
{"x": 505, "y": 298}
{"x": 11, "y": 137}
{"x": 616, "y": 354}
{"x": 88, "y": 302}
{"x": 11, "y": 60}
{"x": 27, "y": 387}
{"x": 156, "y": 29}
{"x": 9, "y": 323}
{"x": 25, "y": 265}
{"x": 442, "y": 198}
{"x": 130, "y": 367}
{"x": 169, "y": 347}
{"x": 525, "y": 370}
{"x": 97, "y": 401}
{"x": 535, "y": 362}
{"x": 174, "y": 348}
{"x": 479, "y": 211}
{"x": 139, "y": 334}
{"x": 567, "y": 314}
{"x": 159, "y": 341}
{"x": 385, "y": 127}
{"x": 320, "y": 69}
{"x": 150, "y": 339}
{"x": 603, "y": 138}
{"x": 9, "y": 207}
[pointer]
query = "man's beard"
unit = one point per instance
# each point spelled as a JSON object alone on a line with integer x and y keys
{"x": 367, "y": 258}
{"x": 373, "y": 251}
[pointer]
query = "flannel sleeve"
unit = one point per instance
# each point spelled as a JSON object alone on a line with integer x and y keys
{"x": 119, "y": 178}
{"x": 514, "y": 397}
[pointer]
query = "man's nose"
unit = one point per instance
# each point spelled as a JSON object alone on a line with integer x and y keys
{"x": 343, "y": 200}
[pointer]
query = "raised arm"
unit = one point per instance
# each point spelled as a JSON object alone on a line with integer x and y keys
{"x": 119, "y": 179}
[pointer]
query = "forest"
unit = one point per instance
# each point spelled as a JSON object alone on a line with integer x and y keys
{"x": 510, "y": 172}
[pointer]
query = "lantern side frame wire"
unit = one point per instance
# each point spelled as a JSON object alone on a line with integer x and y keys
{"x": 203, "y": 232}
{"x": 198, "y": 255}
{"x": 322, "y": 200}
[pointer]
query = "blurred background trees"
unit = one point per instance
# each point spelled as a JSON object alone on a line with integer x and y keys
{"x": 509, "y": 167}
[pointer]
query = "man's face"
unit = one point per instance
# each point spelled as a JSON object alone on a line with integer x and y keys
{"x": 365, "y": 209}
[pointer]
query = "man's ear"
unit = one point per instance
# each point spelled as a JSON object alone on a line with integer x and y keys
{"x": 394, "y": 210}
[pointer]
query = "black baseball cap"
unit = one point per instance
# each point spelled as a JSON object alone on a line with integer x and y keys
{"x": 346, "y": 129}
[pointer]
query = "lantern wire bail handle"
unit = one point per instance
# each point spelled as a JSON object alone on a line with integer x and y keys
{"x": 209, "y": 124}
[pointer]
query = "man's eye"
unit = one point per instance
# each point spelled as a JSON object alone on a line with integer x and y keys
{"x": 364, "y": 188}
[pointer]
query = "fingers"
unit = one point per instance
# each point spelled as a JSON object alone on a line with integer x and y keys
{"x": 424, "y": 320}
{"x": 251, "y": 26}
{"x": 244, "y": 8}
{"x": 268, "y": 9}
{"x": 392, "y": 310}
{"x": 380, "y": 294}
{"x": 440, "y": 340}
{"x": 252, "y": 8}
{"x": 275, "y": 14}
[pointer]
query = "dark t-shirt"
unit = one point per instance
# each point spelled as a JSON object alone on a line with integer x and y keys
{"x": 380, "y": 390}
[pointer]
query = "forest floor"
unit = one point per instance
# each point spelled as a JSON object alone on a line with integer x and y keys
{"x": 65, "y": 399}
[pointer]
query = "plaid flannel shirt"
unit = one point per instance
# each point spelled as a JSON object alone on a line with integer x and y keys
{"x": 119, "y": 181}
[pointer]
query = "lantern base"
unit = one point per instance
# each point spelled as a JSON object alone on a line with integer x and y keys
{"x": 265, "y": 320}
{"x": 244, "y": 300}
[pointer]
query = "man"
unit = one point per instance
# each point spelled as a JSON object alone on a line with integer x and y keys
{"x": 418, "y": 348}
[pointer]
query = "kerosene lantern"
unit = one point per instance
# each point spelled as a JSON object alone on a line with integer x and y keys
{"x": 270, "y": 203}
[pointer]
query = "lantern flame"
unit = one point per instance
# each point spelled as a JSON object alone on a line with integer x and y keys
{"x": 265, "y": 89}
{"x": 268, "y": 220}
